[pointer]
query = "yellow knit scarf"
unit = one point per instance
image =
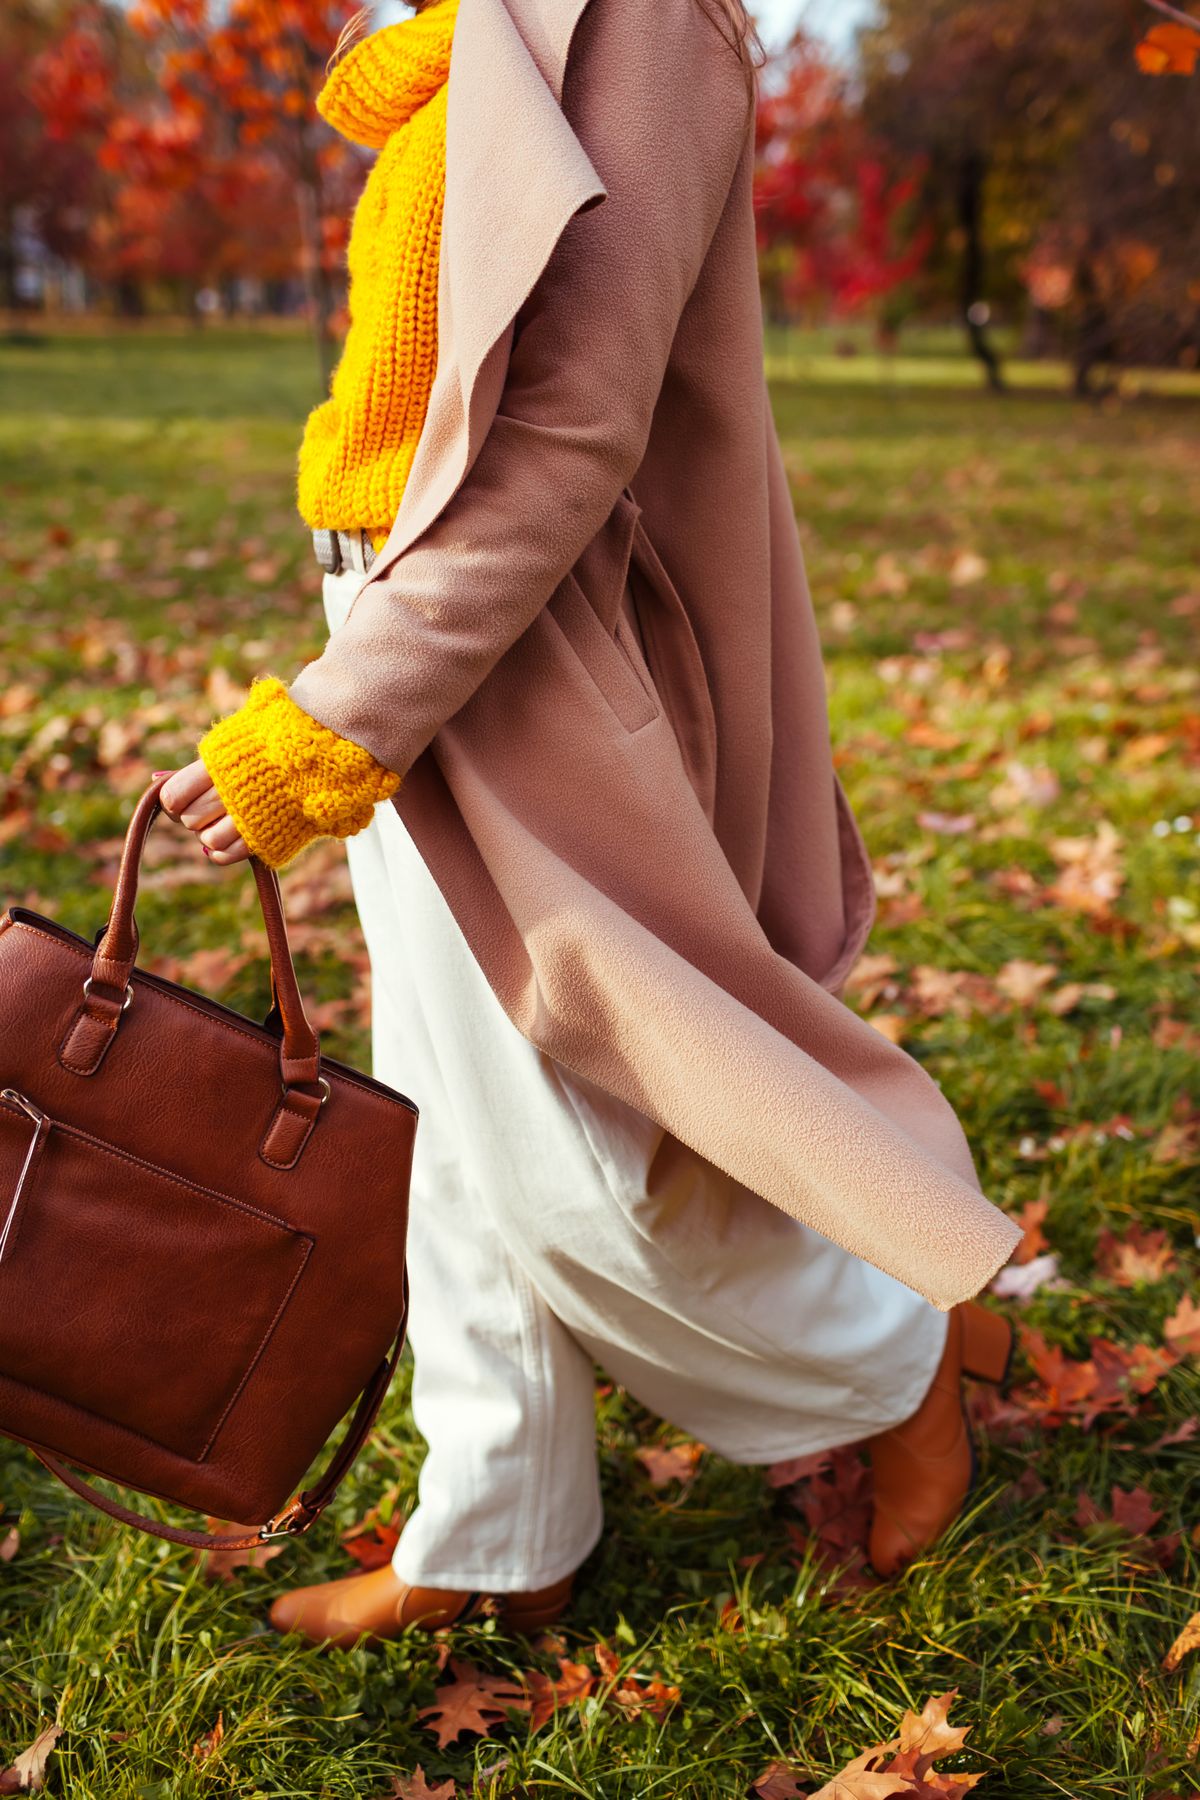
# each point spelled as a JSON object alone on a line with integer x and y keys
{"x": 389, "y": 93}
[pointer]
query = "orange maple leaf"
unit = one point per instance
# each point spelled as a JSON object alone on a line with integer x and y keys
{"x": 904, "y": 1765}
{"x": 1138, "y": 1255}
{"x": 777, "y": 1782}
{"x": 1031, "y": 1218}
{"x": 630, "y": 1692}
{"x": 575, "y": 1682}
{"x": 1169, "y": 49}
{"x": 416, "y": 1787}
{"x": 474, "y": 1701}
{"x": 930, "y": 1732}
{"x": 371, "y": 1549}
{"x": 1132, "y": 1509}
{"x": 1182, "y": 1329}
{"x": 669, "y": 1462}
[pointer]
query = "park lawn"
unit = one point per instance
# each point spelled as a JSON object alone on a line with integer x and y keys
{"x": 1009, "y": 602}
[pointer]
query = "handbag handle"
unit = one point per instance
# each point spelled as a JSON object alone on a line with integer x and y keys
{"x": 108, "y": 990}
{"x": 298, "y": 1515}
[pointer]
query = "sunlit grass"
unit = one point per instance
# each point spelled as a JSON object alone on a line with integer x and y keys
{"x": 998, "y": 583}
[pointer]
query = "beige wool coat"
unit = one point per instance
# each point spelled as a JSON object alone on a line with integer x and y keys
{"x": 588, "y": 644}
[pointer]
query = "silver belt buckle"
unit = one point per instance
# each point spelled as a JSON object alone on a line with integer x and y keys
{"x": 328, "y": 551}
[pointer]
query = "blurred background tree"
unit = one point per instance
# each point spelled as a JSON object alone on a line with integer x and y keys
{"x": 1010, "y": 161}
{"x": 211, "y": 173}
{"x": 1063, "y": 184}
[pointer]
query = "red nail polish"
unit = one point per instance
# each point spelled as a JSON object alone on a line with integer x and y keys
{"x": 206, "y": 849}
{"x": 157, "y": 772}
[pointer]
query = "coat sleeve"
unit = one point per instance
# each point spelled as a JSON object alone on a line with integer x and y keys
{"x": 659, "y": 101}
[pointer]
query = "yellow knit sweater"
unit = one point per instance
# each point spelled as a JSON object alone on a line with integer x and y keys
{"x": 283, "y": 778}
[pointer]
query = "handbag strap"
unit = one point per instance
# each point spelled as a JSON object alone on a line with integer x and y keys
{"x": 297, "y": 1516}
{"x": 107, "y": 990}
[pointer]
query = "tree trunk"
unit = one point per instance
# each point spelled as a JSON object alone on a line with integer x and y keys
{"x": 131, "y": 302}
{"x": 8, "y": 265}
{"x": 972, "y": 171}
{"x": 1094, "y": 341}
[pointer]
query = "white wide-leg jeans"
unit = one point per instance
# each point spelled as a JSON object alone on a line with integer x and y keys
{"x": 553, "y": 1227}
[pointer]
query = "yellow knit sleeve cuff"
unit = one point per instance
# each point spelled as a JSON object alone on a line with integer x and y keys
{"x": 285, "y": 779}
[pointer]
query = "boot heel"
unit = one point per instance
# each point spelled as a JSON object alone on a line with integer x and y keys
{"x": 533, "y": 1612}
{"x": 988, "y": 1343}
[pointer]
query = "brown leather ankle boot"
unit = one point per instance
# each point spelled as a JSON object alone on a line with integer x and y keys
{"x": 377, "y": 1604}
{"x": 925, "y": 1466}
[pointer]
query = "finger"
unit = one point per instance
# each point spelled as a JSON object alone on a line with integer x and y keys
{"x": 238, "y": 851}
{"x": 221, "y": 834}
{"x": 206, "y": 809}
{"x": 184, "y": 786}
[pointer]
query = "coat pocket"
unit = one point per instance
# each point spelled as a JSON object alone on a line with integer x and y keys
{"x": 614, "y": 663}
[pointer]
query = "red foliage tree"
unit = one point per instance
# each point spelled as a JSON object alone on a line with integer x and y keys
{"x": 200, "y": 122}
{"x": 834, "y": 217}
{"x": 247, "y": 72}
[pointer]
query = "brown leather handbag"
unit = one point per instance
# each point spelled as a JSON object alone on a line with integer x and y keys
{"x": 202, "y": 1226}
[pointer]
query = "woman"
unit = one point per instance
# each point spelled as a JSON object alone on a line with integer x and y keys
{"x": 571, "y": 718}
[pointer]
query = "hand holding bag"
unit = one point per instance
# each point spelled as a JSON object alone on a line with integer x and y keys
{"x": 202, "y": 1226}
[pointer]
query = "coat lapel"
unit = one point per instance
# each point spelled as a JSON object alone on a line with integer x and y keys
{"x": 515, "y": 175}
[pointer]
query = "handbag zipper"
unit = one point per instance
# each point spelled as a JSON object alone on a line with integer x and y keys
{"x": 42, "y": 1123}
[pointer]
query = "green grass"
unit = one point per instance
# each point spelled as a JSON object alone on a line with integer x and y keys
{"x": 999, "y": 583}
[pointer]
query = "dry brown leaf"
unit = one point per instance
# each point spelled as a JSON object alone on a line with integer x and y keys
{"x": 416, "y": 1787}
{"x": 1180, "y": 1434}
{"x": 1182, "y": 1329}
{"x": 1138, "y": 1255}
{"x": 1112, "y": 1379}
{"x": 958, "y": 992}
{"x": 1131, "y": 1509}
{"x": 634, "y": 1697}
{"x": 575, "y": 1682}
{"x": 1023, "y": 981}
{"x": 836, "y": 1504}
{"x": 904, "y": 1765}
{"x": 930, "y": 1732}
{"x": 947, "y": 824}
{"x": 222, "y": 692}
{"x": 1067, "y": 997}
{"x": 630, "y": 1692}
{"x": 210, "y": 1743}
{"x": 861, "y": 1780}
{"x": 669, "y": 1462}
{"x": 892, "y": 1026}
{"x": 1025, "y": 786}
{"x": 222, "y": 1565}
{"x": 374, "y": 1548}
{"x": 473, "y": 1701}
{"x": 27, "y": 1773}
{"x": 1187, "y": 1641}
{"x": 1179, "y": 1142}
{"x": 967, "y": 568}
{"x": 1090, "y": 876}
{"x": 777, "y": 1782}
{"x": 1031, "y": 1218}
{"x": 798, "y": 1468}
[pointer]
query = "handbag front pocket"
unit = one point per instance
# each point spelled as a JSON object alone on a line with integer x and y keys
{"x": 131, "y": 1292}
